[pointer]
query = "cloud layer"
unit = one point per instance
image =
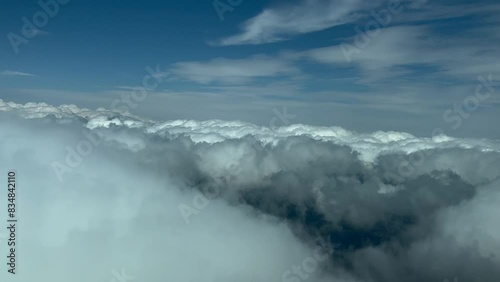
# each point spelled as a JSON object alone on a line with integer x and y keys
{"x": 223, "y": 201}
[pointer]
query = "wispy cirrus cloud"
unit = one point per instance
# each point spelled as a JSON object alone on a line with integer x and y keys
{"x": 402, "y": 50}
{"x": 233, "y": 71}
{"x": 15, "y": 73}
{"x": 283, "y": 22}
{"x": 280, "y": 23}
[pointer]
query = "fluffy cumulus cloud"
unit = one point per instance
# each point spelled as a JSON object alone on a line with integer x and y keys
{"x": 106, "y": 196}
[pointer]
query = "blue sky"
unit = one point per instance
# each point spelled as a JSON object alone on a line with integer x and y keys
{"x": 422, "y": 59}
